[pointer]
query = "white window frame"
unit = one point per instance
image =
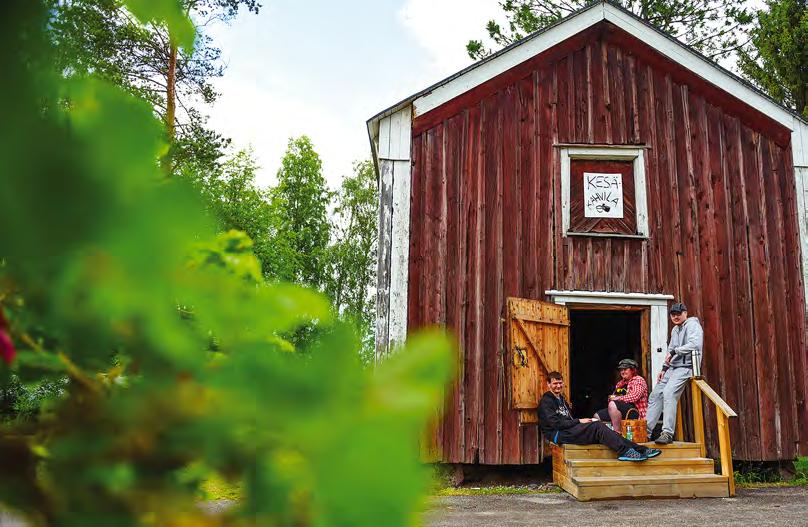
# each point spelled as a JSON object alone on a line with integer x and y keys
{"x": 631, "y": 153}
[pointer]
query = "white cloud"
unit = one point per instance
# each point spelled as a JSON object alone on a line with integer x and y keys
{"x": 272, "y": 91}
{"x": 266, "y": 119}
{"x": 292, "y": 73}
{"x": 443, "y": 27}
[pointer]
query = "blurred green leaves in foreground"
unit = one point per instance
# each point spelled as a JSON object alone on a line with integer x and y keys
{"x": 167, "y": 348}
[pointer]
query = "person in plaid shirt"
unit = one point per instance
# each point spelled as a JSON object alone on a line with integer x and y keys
{"x": 630, "y": 392}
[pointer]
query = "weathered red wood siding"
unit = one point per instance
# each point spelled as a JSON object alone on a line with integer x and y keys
{"x": 486, "y": 222}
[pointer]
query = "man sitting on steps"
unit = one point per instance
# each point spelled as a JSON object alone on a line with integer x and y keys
{"x": 560, "y": 427}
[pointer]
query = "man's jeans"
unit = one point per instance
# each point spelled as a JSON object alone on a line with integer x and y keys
{"x": 666, "y": 397}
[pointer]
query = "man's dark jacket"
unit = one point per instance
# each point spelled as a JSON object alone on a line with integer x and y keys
{"x": 555, "y": 414}
{"x": 561, "y": 428}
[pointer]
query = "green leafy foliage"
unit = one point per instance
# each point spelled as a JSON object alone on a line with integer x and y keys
{"x": 128, "y": 43}
{"x": 169, "y": 339}
{"x": 714, "y": 27}
{"x": 235, "y": 202}
{"x": 352, "y": 255}
{"x": 776, "y": 59}
{"x": 171, "y": 13}
{"x": 300, "y": 225}
{"x": 301, "y": 229}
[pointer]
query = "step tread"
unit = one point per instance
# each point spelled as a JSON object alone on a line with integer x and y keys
{"x": 648, "y": 480}
{"x": 651, "y": 444}
{"x": 660, "y": 460}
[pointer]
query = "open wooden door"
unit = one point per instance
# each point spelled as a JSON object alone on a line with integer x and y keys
{"x": 538, "y": 343}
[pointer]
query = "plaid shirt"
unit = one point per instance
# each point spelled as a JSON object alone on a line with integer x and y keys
{"x": 636, "y": 392}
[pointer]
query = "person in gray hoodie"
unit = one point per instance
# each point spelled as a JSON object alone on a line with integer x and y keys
{"x": 687, "y": 339}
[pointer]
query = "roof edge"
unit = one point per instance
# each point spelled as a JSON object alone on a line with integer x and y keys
{"x": 409, "y": 100}
{"x": 604, "y": 6}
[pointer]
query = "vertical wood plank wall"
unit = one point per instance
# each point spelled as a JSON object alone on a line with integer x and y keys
{"x": 724, "y": 235}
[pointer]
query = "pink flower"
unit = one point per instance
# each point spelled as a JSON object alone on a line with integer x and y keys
{"x": 7, "y": 350}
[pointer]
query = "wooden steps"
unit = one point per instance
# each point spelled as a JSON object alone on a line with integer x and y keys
{"x": 652, "y": 467}
{"x": 676, "y": 449}
{"x": 591, "y": 472}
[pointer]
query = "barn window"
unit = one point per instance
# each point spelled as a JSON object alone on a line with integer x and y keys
{"x": 603, "y": 191}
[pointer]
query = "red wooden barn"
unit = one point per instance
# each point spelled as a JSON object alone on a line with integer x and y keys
{"x": 596, "y": 170}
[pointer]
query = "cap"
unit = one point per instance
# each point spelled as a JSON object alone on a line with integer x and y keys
{"x": 678, "y": 307}
{"x": 628, "y": 363}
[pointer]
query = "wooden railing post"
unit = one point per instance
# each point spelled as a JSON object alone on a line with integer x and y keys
{"x": 679, "y": 433}
{"x": 698, "y": 417}
{"x": 722, "y": 414}
{"x": 726, "y": 451}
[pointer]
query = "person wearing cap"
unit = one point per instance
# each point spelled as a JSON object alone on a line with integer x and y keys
{"x": 630, "y": 392}
{"x": 687, "y": 339}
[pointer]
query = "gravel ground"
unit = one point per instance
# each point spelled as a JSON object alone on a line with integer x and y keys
{"x": 753, "y": 507}
{"x": 7, "y": 520}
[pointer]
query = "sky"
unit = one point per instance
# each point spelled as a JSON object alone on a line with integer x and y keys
{"x": 322, "y": 68}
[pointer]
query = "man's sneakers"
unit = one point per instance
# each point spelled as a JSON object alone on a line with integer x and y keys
{"x": 665, "y": 438}
{"x": 632, "y": 455}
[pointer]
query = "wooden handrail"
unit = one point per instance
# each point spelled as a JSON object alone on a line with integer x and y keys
{"x": 699, "y": 386}
{"x": 715, "y": 398}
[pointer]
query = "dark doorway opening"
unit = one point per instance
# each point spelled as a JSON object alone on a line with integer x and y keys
{"x": 598, "y": 340}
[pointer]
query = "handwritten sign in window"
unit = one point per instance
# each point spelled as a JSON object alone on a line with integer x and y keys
{"x": 603, "y": 195}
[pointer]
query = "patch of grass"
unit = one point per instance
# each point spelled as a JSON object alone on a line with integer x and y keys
{"x": 801, "y": 468}
{"x": 441, "y": 477}
{"x": 216, "y": 488}
{"x": 757, "y": 477}
{"x": 499, "y": 490}
{"x": 753, "y": 476}
{"x": 768, "y": 485}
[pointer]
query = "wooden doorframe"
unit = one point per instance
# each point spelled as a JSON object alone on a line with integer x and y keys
{"x": 645, "y": 328}
{"x": 657, "y": 307}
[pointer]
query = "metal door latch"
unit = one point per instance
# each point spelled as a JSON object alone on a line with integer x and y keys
{"x": 520, "y": 357}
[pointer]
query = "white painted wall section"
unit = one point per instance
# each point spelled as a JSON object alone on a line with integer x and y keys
{"x": 799, "y": 149}
{"x": 659, "y": 339}
{"x": 801, "y": 176}
{"x": 400, "y": 253}
{"x": 393, "y": 159}
{"x": 383, "y": 256}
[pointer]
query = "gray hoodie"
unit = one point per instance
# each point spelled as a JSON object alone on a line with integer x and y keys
{"x": 685, "y": 339}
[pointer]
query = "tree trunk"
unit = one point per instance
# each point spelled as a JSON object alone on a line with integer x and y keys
{"x": 171, "y": 90}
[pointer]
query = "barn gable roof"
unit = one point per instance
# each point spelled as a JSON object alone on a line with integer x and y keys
{"x": 536, "y": 43}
